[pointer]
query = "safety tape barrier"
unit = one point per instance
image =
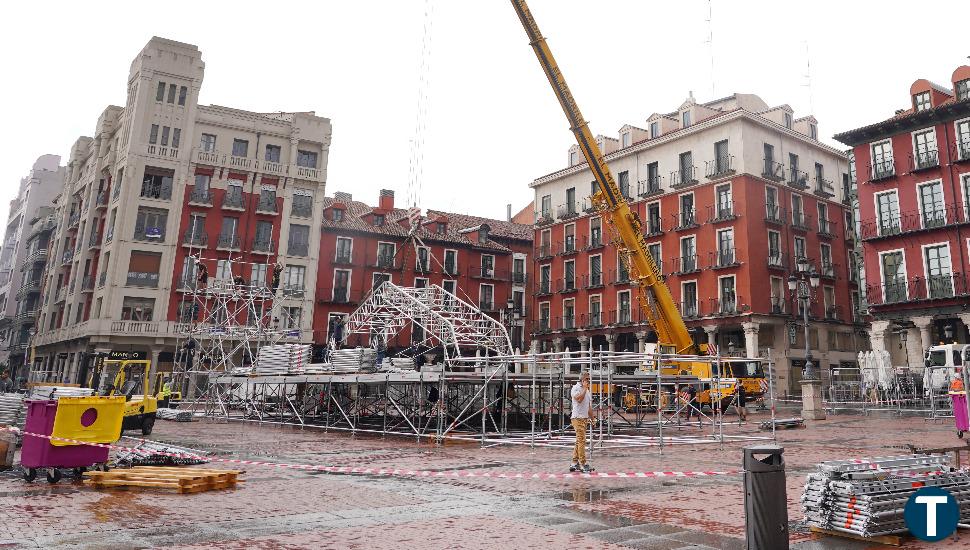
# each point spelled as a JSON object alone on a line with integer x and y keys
{"x": 396, "y": 471}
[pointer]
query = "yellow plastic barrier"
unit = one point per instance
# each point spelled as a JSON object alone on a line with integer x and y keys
{"x": 88, "y": 419}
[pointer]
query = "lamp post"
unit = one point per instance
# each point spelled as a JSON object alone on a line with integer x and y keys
{"x": 801, "y": 288}
{"x": 510, "y": 319}
{"x": 948, "y": 333}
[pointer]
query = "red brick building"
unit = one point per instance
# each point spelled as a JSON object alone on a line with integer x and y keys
{"x": 731, "y": 193}
{"x": 914, "y": 194}
{"x": 483, "y": 261}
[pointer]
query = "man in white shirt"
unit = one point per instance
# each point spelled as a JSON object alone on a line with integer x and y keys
{"x": 580, "y": 418}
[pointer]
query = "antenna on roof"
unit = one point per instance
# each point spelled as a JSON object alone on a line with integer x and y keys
{"x": 808, "y": 80}
{"x": 710, "y": 43}
{"x": 416, "y": 169}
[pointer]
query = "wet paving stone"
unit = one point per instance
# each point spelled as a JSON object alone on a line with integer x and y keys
{"x": 656, "y": 543}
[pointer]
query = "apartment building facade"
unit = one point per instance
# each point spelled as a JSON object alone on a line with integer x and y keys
{"x": 914, "y": 203}
{"x": 731, "y": 194}
{"x": 166, "y": 181}
{"x": 17, "y": 260}
{"x": 484, "y": 262}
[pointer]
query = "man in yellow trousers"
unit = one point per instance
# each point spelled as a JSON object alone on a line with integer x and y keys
{"x": 580, "y": 418}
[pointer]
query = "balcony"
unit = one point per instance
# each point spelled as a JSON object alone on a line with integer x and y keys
{"x": 594, "y": 241}
{"x": 684, "y": 177}
{"x": 567, "y": 246}
{"x": 913, "y": 221}
{"x": 102, "y": 200}
{"x": 385, "y": 261}
{"x": 685, "y": 219}
{"x": 142, "y": 279}
{"x": 828, "y": 270}
{"x": 690, "y": 310}
{"x": 543, "y": 251}
{"x": 489, "y": 273}
{"x": 298, "y": 249}
{"x": 228, "y": 242}
{"x": 620, "y": 317}
{"x": 543, "y": 288}
{"x": 777, "y": 305}
{"x": 685, "y": 265}
{"x": 195, "y": 239}
{"x": 774, "y": 171}
{"x": 592, "y": 320}
{"x": 200, "y": 197}
{"x": 566, "y": 285}
{"x": 727, "y": 305}
{"x": 95, "y": 240}
{"x": 487, "y": 306}
{"x": 567, "y": 211}
{"x": 620, "y": 277}
{"x": 262, "y": 246}
{"x": 243, "y": 162}
{"x": 924, "y": 160}
{"x": 543, "y": 218}
{"x": 882, "y": 169}
{"x": 60, "y": 295}
{"x": 725, "y": 258}
{"x": 826, "y": 228}
{"x": 343, "y": 257}
{"x": 566, "y": 322}
{"x": 824, "y": 188}
{"x": 233, "y": 200}
{"x": 266, "y": 206}
{"x": 588, "y": 206}
{"x": 27, "y": 315}
{"x": 87, "y": 283}
{"x": 101, "y": 278}
{"x": 960, "y": 150}
{"x": 776, "y": 259}
{"x": 38, "y": 254}
{"x": 67, "y": 256}
{"x": 801, "y": 221}
{"x": 518, "y": 278}
{"x": 308, "y": 173}
{"x": 797, "y": 179}
{"x": 151, "y": 189}
{"x": 775, "y": 214}
{"x": 74, "y": 220}
{"x": 833, "y": 313}
{"x": 722, "y": 212}
{"x": 541, "y": 326}
{"x": 593, "y": 280}
{"x": 919, "y": 289}
{"x": 720, "y": 167}
{"x": 654, "y": 227}
{"x": 171, "y": 153}
{"x": 650, "y": 187}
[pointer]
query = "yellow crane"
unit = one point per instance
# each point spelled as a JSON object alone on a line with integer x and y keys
{"x": 625, "y": 225}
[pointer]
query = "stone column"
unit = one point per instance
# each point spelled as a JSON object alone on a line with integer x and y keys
{"x": 711, "y": 331}
{"x": 611, "y": 341}
{"x": 557, "y": 344}
{"x": 965, "y": 317}
{"x": 641, "y": 341}
{"x": 923, "y": 324}
{"x": 583, "y": 343}
{"x": 155, "y": 353}
{"x": 877, "y": 335}
{"x": 751, "y": 338}
{"x": 534, "y": 346}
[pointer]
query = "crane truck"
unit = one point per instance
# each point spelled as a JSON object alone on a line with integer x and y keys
{"x": 626, "y": 231}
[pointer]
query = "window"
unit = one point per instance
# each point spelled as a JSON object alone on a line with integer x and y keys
{"x": 421, "y": 259}
{"x": 172, "y": 89}
{"x": 337, "y": 214}
{"x": 623, "y": 304}
{"x": 377, "y": 220}
{"x": 924, "y": 147}
{"x": 893, "y": 276}
{"x": 724, "y": 203}
{"x": 593, "y": 188}
{"x": 294, "y": 277}
{"x": 306, "y": 159}
{"x": 544, "y": 316}
{"x": 488, "y": 265}
{"x": 176, "y": 137}
{"x": 786, "y": 117}
{"x": 486, "y": 297}
{"x": 936, "y": 259}
{"x": 157, "y": 183}
{"x": 655, "y": 129}
{"x": 385, "y": 255}
{"x": 685, "y": 118}
{"x": 725, "y": 247}
{"x": 622, "y": 273}
{"x": 571, "y": 200}
{"x": 887, "y": 209}
{"x": 653, "y": 218}
{"x": 722, "y": 158}
{"x": 143, "y": 268}
{"x": 963, "y": 89}
{"x": 624, "y": 182}
{"x": 777, "y": 295}
{"x": 686, "y": 164}
{"x": 813, "y": 131}
{"x": 150, "y": 224}
{"x": 921, "y": 101}
{"x": 653, "y": 177}
{"x": 267, "y": 199}
{"x": 345, "y": 248}
{"x": 656, "y": 252}
{"x": 828, "y": 270}
{"x": 595, "y": 311}
{"x": 573, "y": 157}
{"x": 688, "y": 295}
{"x": 728, "y": 298}
{"x": 823, "y": 217}
{"x": 183, "y": 93}
{"x": 195, "y": 234}
{"x": 932, "y": 206}
{"x": 258, "y": 276}
{"x": 856, "y": 305}
{"x": 687, "y": 210}
{"x": 569, "y": 271}
{"x": 882, "y": 159}
{"x": 341, "y": 285}
{"x": 800, "y": 248}
{"x": 688, "y": 254}
{"x": 160, "y": 92}
{"x": 546, "y": 206}
{"x": 229, "y": 233}
{"x": 240, "y": 147}
{"x": 797, "y": 212}
{"x": 545, "y": 279}
{"x": 292, "y": 317}
{"x": 595, "y": 270}
{"x": 569, "y": 238}
{"x": 165, "y": 132}
{"x": 273, "y": 153}
{"x": 569, "y": 314}
{"x": 625, "y": 139}
{"x": 153, "y": 134}
{"x": 302, "y": 205}
{"x": 595, "y": 231}
{"x": 208, "y": 143}
{"x": 299, "y": 241}
{"x": 137, "y": 309}
{"x": 793, "y": 167}
{"x": 828, "y": 301}
{"x": 451, "y": 262}
{"x": 518, "y": 271}
{"x": 771, "y": 203}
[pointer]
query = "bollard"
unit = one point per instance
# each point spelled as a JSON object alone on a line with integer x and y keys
{"x": 765, "y": 500}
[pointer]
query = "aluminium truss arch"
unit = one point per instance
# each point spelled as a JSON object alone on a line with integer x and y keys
{"x": 445, "y": 319}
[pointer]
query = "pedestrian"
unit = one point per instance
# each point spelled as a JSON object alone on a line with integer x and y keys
{"x": 740, "y": 401}
{"x": 6, "y": 384}
{"x": 692, "y": 404}
{"x": 581, "y": 400}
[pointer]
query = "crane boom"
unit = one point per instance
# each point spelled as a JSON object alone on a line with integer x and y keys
{"x": 626, "y": 228}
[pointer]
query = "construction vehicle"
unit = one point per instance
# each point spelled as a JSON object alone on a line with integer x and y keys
{"x": 626, "y": 231}
{"x": 113, "y": 377}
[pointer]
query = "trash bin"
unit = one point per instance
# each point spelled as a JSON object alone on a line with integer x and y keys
{"x": 765, "y": 499}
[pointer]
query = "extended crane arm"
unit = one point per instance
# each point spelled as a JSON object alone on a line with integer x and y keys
{"x": 654, "y": 296}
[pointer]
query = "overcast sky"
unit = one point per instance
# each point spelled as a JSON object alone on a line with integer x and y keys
{"x": 493, "y": 124}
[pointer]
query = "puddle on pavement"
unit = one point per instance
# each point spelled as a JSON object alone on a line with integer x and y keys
{"x": 579, "y": 495}
{"x": 123, "y": 505}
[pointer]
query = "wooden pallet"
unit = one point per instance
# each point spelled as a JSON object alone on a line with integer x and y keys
{"x": 891, "y": 540}
{"x": 183, "y": 480}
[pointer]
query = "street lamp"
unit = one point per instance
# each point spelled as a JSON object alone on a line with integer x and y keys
{"x": 510, "y": 317}
{"x": 948, "y": 333}
{"x": 801, "y": 289}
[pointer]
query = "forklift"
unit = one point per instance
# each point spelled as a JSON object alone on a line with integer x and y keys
{"x": 113, "y": 377}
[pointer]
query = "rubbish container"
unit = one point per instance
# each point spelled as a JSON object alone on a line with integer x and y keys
{"x": 765, "y": 501}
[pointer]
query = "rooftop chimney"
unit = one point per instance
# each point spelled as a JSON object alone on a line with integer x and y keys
{"x": 386, "y": 200}
{"x": 343, "y": 197}
{"x": 508, "y": 212}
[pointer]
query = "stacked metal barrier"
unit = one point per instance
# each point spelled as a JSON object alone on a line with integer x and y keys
{"x": 150, "y": 453}
{"x": 174, "y": 414}
{"x": 56, "y": 392}
{"x": 866, "y": 497}
{"x": 282, "y": 359}
{"x": 353, "y": 359}
{"x": 12, "y": 409}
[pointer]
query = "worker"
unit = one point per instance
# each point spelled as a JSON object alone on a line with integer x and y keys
{"x": 958, "y": 395}
{"x": 239, "y": 281}
{"x": 277, "y": 272}
{"x": 957, "y": 384}
{"x": 6, "y": 384}
{"x": 165, "y": 394}
{"x": 581, "y": 399}
{"x": 381, "y": 348}
{"x": 692, "y": 405}
{"x": 203, "y": 274}
{"x": 740, "y": 400}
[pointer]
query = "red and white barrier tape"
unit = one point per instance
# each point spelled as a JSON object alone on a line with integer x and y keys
{"x": 397, "y": 471}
